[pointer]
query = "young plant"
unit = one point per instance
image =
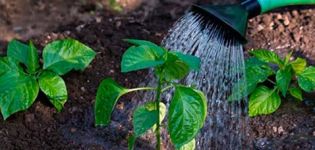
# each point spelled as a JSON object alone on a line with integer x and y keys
{"x": 187, "y": 109}
{"x": 21, "y": 75}
{"x": 268, "y": 78}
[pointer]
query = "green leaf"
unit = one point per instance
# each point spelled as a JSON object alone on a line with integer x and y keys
{"x": 296, "y": 93}
{"x": 189, "y": 146}
{"x": 63, "y": 56}
{"x": 174, "y": 68}
{"x": 159, "y": 51}
{"x": 107, "y": 96}
{"x": 131, "y": 142}
{"x": 298, "y": 65}
{"x": 24, "y": 54}
{"x": 192, "y": 61}
{"x": 33, "y": 60}
{"x": 263, "y": 101}
{"x": 145, "y": 117}
{"x": 267, "y": 56}
{"x": 283, "y": 78}
{"x": 54, "y": 87}
{"x": 115, "y": 5}
{"x": 256, "y": 72}
{"x": 186, "y": 115}
{"x": 18, "y": 90}
{"x": 141, "y": 57}
{"x": 306, "y": 79}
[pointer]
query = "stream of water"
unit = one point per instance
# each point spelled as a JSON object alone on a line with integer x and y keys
{"x": 222, "y": 68}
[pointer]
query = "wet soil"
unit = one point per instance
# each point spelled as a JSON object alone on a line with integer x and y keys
{"x": 41, "y": 127}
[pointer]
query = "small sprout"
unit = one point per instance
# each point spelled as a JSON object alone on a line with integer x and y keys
{"x": 291, "y": 77}
{"x": 21, "y": 75}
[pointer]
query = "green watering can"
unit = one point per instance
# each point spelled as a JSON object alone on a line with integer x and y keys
{"x": 235, "y": 17}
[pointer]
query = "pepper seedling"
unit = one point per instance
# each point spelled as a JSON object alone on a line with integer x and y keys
{"x": 187, "y": 108}
{"x": 21, "y": 76}
{"x": 269, "y": 77}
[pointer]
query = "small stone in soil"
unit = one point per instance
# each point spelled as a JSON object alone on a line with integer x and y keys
{"x": 29, "y": 118}
{"x": 263, "y": 143}
{"x": 73, "y": 130}
{"x": 83, "y": 89}
{"x": 275, "y": 129}
{"x": 280, "y": 130}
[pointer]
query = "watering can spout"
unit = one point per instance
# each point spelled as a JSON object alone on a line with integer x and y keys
{"x": 235, "y": 17}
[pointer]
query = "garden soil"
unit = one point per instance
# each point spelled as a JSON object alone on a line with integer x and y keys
{"x": 41, "y": 127}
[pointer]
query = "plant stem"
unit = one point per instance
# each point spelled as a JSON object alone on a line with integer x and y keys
{"x": 166, "y": 88}
{"x": 271, "y": 81}
{"x": 157, "y": 103}
{"x": 141, "y": 88}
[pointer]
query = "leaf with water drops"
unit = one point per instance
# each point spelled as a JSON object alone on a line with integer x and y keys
{"x": 54, "y": 87}
{"x": 63, "y": 56}
{"x": 186, "y": 115}
{"x": 141, "y": 57}
{"x": 107, "y": 96}
{"x": 267, "y": 56}
{"x": 263, "y": 101}
{"x": 306, "y": 79}
{"x": 18, "y": 90}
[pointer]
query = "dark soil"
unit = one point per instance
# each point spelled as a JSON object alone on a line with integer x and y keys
{"x": 41, "y": 127}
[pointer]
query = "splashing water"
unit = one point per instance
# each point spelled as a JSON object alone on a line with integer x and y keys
{"x": 222, "y": 68}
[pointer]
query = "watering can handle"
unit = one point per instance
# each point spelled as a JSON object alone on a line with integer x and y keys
{"x": 267, "y": 5}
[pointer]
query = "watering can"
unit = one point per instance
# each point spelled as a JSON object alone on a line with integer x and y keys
{"x": 235, "y": 17}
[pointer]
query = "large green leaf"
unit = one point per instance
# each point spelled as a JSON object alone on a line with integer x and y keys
{"x": 299, "y": 65}
{"x": 296, "y": 92}
{"x": 283, "y": 78}
{"x": 189, "y": 146}
{"x": 159, "y": 51}
{"x": 141, "y": 57}
{"x": 306, "y": 79}
{"x": 63, "y": 56}
{"x": 174, "y": 68}
{"x": 256, "y": 72}
{"x": 263, "y": 101}
{"x": 145, "y": 117}
{"x": 107, "y": 96}
{"x": 18, "y": 90}
{"x": 186, "y": 115}
{"x": 192, "y": 61}
{"x": 54, "y": 87}
{"x": 24, "y": 54}
{"x": 267, "y": 56}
